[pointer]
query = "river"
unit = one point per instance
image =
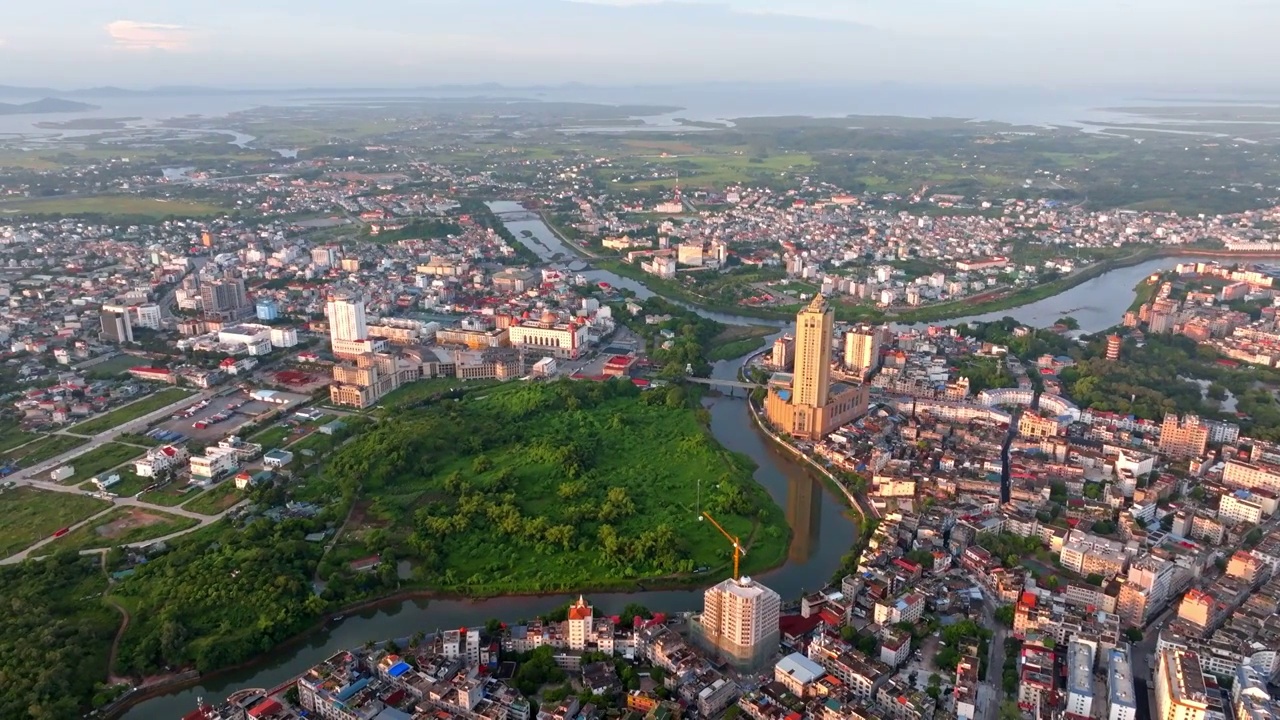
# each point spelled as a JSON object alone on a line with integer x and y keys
{"x": 822, "y": 533}
{"x": 822, "y": 530}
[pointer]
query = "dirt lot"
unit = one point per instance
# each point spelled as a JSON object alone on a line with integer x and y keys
{"x": 133, "y": 519}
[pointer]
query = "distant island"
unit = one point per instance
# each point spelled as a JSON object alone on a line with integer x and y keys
{"x": 45, "y": 105}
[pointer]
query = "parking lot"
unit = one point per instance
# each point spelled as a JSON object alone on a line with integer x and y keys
{"x": 241, "y": 408}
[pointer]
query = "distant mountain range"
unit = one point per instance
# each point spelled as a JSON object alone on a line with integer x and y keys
{"x": 45, "y": 106}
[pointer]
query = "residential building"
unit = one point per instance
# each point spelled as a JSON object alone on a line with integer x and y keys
{"x": 740, "y": 618}
{"x": 149, "y": 316}
{"x": 1241, "y": 506}
{"x": 862, "y": 350}
{"x": 1088, "y": 554}
{"x": 1080, "y": 678}
{"x": 1252, "y": 476}
{"x": 1121, "y": 698}
{"x": 159, "y": 460}
{"x": 1183, "y": 437}
{"x": 224, "y": 299}
{"x": 797, "y": 674}
{"x": 1181, "y": 693}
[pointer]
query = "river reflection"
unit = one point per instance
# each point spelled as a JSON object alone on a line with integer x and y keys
{"x": 804, "y": 515}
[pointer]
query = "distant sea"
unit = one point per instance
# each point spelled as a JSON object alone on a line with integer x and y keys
{"x": 711, "y": 102}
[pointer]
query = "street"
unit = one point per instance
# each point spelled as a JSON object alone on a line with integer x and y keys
{"x": 28, "y": 477}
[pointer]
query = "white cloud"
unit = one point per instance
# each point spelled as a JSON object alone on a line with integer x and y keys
{"x": 133, "y": 35}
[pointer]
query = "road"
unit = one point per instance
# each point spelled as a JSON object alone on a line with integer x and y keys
{"x": 991, "y": 691}
{"x": 25, "y": 475}
{"x": 29, "y": 477}
{"x": 129, "y": 502}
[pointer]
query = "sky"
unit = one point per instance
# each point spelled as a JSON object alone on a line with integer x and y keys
{"x": 1188, "y": 44}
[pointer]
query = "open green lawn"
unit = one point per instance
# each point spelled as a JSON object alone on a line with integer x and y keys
{"x": 216, "y": 499}
{"x": 171, "y": 495}
{"x": 122, "y": 526}
{"x": 540, "y": 487}
{"x": 415, "y": 393}
{"x": 11, "y": 436}
{"x": 738, "y": 340}
{"x": 27, "y": 515}
{"x": 132, "y": 411}
{"x": 112, "y": 367}
{"x": 101, "y": 459}
{"x": 49, "y": 446}
{"x": 273, "y": 437}
{"x": 110, "y": 205}
{"x": 718, "y": 170}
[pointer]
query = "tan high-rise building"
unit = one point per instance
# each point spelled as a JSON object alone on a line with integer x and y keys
{"x": 804, "y": 403}
{"x": 740, "y": 618}
{"x": 1183, "y": 437}
{"x": 815, "y": 328}
{"x": 1181, "y": 693}
{"x": 862, "y": 350}
{"x": 784, "y": 352}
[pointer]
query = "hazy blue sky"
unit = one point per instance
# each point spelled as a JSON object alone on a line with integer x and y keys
{"x": 416, "y": 42}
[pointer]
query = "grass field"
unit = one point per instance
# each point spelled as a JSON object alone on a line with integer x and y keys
{"x": 47, "y": 447}
{"x": 27, "y": 515}
{"x": 738, "y": 340}
{"x": 108, "y": 369}
{"x": 122, "y": 526}
{"x": 273, "y": 437}
{"x": 719, "y": 170}
{"x": 11, "y": 436}
{"x": 110, "y": 205}
{"x": 415, "y": 393}
{"x": 171, "y": 495}
{"x": 132, "y": 411}
{"x": 215, "y": 500}
{"x": 100, "y": 460}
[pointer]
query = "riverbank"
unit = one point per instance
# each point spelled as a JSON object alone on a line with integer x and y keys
{"x": 930, "y": 313}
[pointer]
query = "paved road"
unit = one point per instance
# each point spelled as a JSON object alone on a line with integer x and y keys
{"x": 30, "y": 477}
{"x": 102, "y": 438}
{"x": 991, "y": 691}
{"x": 128, "y": 502}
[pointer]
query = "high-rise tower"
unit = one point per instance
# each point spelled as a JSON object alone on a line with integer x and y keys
{"x": 804, "y": 403}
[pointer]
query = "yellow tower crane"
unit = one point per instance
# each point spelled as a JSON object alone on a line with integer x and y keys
{"x": 738, "y": 550}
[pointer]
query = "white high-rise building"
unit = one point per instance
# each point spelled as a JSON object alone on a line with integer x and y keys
{"x": 862, "y": 349}
{"x": 149, "y": 316}
{"x": 348, "y": 327}
{"x": 740, "y": 617}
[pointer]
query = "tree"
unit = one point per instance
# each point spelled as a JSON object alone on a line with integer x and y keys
{"x": 1004, "y": 615}
{"x": 1133, "y": 634}
{"x": 1094, "y": 579}
{"x": 1052, "y": 582}
{"x": 1009, "y": 710}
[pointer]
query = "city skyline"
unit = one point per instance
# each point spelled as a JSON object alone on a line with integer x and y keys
{"x": 406, "y": 43}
